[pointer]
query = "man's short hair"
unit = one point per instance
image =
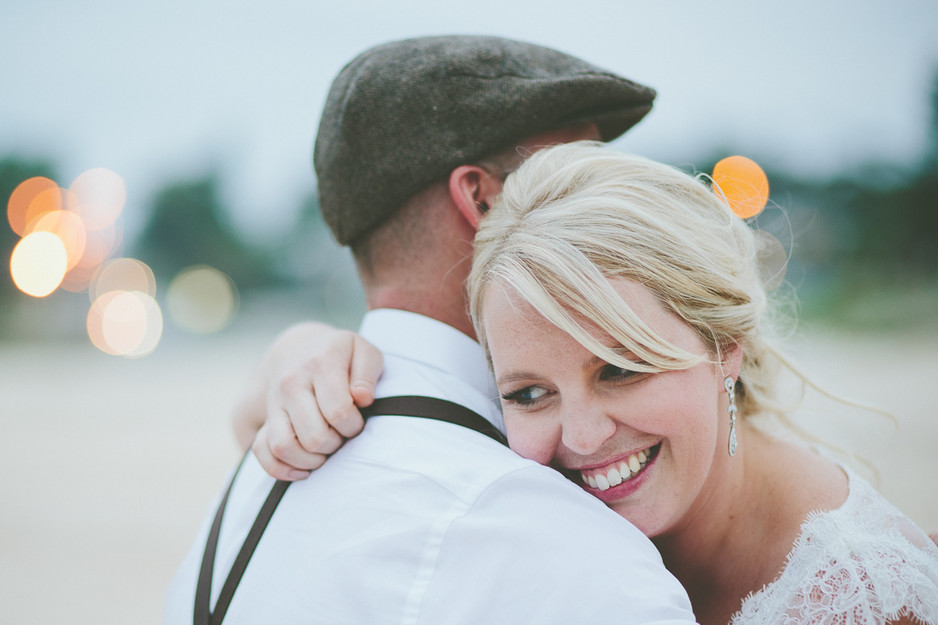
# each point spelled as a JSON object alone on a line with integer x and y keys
{"x": 401, "y": 116}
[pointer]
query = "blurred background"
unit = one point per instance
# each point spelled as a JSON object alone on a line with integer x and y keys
{"x": 162, "y": 227}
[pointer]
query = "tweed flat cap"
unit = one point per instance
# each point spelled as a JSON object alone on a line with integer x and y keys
{"x": 401, "y": 116}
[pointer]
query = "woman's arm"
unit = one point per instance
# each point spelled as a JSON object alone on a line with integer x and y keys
{"x": 302, "y": 402}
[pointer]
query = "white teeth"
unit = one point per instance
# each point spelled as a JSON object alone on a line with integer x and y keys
{"x": 624, "y": 470}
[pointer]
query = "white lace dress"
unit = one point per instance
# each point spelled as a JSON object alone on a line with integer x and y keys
{"x": 864, "y": 563}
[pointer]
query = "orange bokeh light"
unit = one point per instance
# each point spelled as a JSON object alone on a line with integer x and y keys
{"x": 46, "y": 201}
{"x": 744, "y": 185}
{"x": 21, "y": 198}
{"x": 84, "y": 220}
{"x": 68, "y": 227}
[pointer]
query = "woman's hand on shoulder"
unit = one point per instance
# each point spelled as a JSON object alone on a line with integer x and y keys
{"x": 302, "y": 403}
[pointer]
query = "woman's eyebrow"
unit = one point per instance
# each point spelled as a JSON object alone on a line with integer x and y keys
{"x": 619, "y": 350}
{"x": 513, "y": 376}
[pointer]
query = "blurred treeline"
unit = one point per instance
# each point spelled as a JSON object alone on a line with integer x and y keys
{"x": 863, "y": 245}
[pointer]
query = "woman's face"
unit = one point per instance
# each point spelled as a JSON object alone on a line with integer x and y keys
{"x": 644, "y": 444}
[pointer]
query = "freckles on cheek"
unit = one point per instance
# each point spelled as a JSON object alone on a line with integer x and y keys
{"x": 534, "y": 442}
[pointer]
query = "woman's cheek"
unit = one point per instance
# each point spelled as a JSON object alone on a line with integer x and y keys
{"x": 532, "y": 438}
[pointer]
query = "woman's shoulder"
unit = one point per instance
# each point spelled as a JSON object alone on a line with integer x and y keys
{"x": 865, "y": 522}
{"x": 863, "y": 559}
{"x": 802, "y": 482}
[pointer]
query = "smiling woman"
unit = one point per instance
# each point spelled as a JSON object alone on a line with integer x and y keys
{"x": 627, "y": 326}
{"x": 622, "y": 310}
{"x": 641, "y": 442}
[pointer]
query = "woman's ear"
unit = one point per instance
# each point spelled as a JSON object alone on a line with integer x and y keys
{"x": 731, "y": 361}
{"x": 473, "y": 190}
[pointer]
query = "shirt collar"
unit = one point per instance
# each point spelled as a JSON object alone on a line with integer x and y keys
{"x": 432, "y": 342}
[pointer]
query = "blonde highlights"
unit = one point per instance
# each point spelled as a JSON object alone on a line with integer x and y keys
{"x": 576, "y": 215}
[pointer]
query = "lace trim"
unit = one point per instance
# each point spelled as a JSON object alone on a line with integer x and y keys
{"x": 864, "y": 563}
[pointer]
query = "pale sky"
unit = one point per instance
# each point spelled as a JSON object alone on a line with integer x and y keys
{"x": 157, "y": 90}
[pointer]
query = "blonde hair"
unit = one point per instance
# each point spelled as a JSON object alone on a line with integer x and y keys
{"x": 576, "y": 215}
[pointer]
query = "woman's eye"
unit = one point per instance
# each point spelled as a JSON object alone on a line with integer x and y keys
{"x": 525, "y": 396}
{"x": 614, "y": 373}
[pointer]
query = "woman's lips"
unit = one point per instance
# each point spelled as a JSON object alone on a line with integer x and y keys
{"x": 612, "y": 480}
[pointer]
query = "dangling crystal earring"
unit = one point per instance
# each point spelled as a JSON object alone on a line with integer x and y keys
{"x": 729, "y": 384}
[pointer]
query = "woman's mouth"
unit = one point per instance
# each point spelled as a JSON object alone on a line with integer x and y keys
{"x": 613, "y": 474}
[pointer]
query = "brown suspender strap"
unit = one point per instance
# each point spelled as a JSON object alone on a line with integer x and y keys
{"x": 405, "y": 405}
{"x": 202, "y": 616}
{"x": 433, "y": 408}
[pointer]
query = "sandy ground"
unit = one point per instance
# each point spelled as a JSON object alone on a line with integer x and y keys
{"x": 110, "y": 465}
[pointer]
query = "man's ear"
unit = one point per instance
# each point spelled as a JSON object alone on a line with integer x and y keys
{"x": 473, "y": 190}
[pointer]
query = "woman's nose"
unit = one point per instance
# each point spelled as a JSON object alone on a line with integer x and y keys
{"x": 586, "y": 426}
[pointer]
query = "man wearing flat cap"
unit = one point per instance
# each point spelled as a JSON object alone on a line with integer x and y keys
{"x": 427, "y": 517}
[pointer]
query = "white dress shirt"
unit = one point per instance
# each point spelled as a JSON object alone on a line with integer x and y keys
{"x": 418, "y": 521}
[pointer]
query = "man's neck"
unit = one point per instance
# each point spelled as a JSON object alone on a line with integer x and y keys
{"x": 440, "y": 308}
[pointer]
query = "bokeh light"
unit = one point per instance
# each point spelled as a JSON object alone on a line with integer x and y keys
{"x": 100, "y": 195}
{"x": 21, "y": 199}
{"x": 68, "y": 227}
{"x": 743, "y": 183}
{"x": 38, "y": 263}
{"x": 68, "y": 235}
{"x": 85, "y": 217}
{"x": 48, "y": 201}
{"x": 78, "y": 278}
{"x": 202, "y": 299}
{"x": 122, "y": 274}
{"x": 125, "y": 323}
{"x": 100, "y": 245}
